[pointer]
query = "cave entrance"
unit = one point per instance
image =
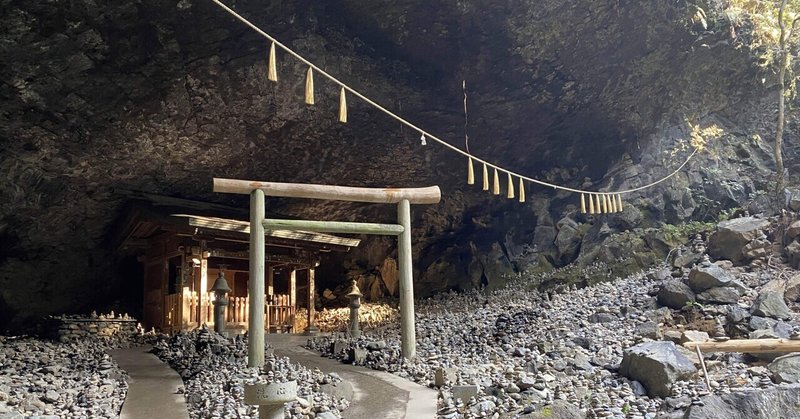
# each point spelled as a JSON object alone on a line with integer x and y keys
{"x": 182, "y": 254}
{"x": 259, "y": 224}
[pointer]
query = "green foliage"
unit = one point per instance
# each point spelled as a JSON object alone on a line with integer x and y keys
{"x": 681, "y": 232}
{"x": 626, "y": 408}
{"x": 692, "y": 305}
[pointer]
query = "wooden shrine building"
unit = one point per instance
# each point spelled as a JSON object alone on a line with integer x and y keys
{"x": 183, "y": 253}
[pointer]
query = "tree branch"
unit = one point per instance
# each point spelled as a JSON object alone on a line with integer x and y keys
{"x": 780, "y": 23}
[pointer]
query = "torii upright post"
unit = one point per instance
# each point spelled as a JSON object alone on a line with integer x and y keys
{"x": 402, "y": 197}
{"x": 408, "y": 343}
{"x": 255, "y": 287}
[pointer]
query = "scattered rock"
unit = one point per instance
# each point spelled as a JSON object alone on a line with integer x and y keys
{"x": 702, "y": 278}
{"x": 785, "y": 369}
{"x": 792, "y": 292}
{"x": 675, "y": 294}
{"x": 770, "y": 304}
{"x": 733, "y": 235}
{"x": 719, "y": 295}
{"x": 648, "y": 329}
{"x": 465, "y": 392}
{"x": 657, "y": 365}
{"x": 694, "y": 336}
{"x": 769, "y": 403}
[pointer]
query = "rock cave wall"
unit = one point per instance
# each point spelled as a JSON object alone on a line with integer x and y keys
{"x": 160, "y": 96}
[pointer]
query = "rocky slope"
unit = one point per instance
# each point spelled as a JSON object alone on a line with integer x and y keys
{"x": 160, "y": 96}
{"x": 612, "y": 349}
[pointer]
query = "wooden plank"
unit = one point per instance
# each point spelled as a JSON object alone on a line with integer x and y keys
{"x": 335, "y": 227}
{"x": 429, "y": 195}
{"x": 750, "y": 346}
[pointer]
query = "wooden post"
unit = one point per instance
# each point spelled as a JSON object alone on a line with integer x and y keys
{"x": 293, "y": 287}
{"x": 408, "y": 338}
{"x": 203, "y": 303}
{"x": 270, "y": 281}
{"x": 255, "y": 326}
{"x": 311, "y": 329}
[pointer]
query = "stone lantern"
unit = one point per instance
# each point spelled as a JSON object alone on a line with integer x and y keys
{"x": 221, "y": 289}
{"x": 355, "y": 302}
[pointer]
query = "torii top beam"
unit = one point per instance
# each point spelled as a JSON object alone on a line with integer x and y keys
{"x": 429, "y": 195}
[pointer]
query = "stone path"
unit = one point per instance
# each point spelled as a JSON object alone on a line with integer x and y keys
{"x": 376, "y": 394}
{"x": 152, "y": 387}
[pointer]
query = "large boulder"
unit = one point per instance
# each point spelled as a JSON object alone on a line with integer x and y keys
{"x": 657, "y": 365}
{"x": 792, "y": 291}
{"x": 733, "y": 235}
{"x": 770, "y": 304}
{"x": 769, "y": 403}
{"x": 558, "y": 410}
{"x": 719, "y": 295}
{"x": 709, "y": 276}
{"x": 785, "y": 369}
{"x": 675, "y": 294}
{"x": 793, "y": 253}
{"x": 568, "y": 239}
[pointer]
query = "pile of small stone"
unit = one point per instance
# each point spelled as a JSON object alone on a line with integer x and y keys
{"x": 116, "y": 330}
{"x": 66, "y": 380}
{"x": 516, "y": 350}
{"x": 371, "y": 315}
{"x": 214, "y": 370}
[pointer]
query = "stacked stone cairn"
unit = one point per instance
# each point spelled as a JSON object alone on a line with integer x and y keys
{"x": 214, "y": 370}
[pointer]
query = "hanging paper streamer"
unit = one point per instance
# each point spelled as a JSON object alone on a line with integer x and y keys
{"x": 342, "y": 107}
{"x": 619, "y": 202}
{"x": 521, "y": 191}
{"x": 591, "y": 205}
{"x": 598, "y": 205}
{"x": 470, "y": 173}
{"x": 272, "y": 70}
{"x": 485, "y": 178}
{"x": 496, "y": 186}
{"x": 583, "y": 204}
{"x": 613, "y": 203}
{"x": 310, "y": 86}
{"x": 423, "y": 140}
{"x": 510, "y": 187}
{"x": 605, "y": 204}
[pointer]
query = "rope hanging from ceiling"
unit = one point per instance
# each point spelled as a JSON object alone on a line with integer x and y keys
{"x": 598, "y": 202}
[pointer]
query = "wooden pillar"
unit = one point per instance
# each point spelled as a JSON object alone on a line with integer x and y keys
{"x": 202, "y": 305}
{"x": 311, "y": 329}
{"x": 270, "y": 280}
{"x": 293, "y": 288}
{"x": 255, "y": 326}
{"x": 408, "y": 338}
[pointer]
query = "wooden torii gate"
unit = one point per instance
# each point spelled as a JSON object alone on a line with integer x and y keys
{"x": 259, "y": 190}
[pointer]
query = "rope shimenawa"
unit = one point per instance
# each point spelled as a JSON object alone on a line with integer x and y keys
{"x": 444, "y": 143}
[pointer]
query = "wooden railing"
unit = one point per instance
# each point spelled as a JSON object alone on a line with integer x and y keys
{"x": 182, "y": 311}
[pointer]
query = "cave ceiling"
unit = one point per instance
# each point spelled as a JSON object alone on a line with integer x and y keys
{"x": 101, "y": 99}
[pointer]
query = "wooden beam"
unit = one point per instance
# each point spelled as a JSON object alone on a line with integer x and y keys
{"x": 429, "y": 195}
{"x": 750, "y": 346}
{"x": 335, "y": 227}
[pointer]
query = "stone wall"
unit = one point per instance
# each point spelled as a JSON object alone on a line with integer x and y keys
{"x": 74, "y": 328}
